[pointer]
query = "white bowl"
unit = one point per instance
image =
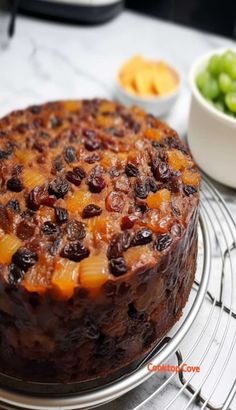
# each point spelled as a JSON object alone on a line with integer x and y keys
{"x": 157, "y": 106}
{"x": 211, "y": 133}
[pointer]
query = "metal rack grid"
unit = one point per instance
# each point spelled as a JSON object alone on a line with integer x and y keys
{"x": 205, "y": 336}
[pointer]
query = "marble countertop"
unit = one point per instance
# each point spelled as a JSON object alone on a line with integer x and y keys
{"x": 49, "y": 61}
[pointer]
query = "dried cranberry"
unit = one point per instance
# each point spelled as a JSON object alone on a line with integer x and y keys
{"x": 163, "y": 241}
{"x": 115, "y": 201}
{"x": 76, "y": 176}
{"x": 14, "y": 205}
{"x": 141, "y": 189}
{"x": 61, "y": 214}
{"x": 75, "y": 251}
{"x": 189, "y": 190}
{"x": 24, "y": 258}
{"x": 50, "y": 228}
{"x": 14, "y": 184}
{"x": 118, "y": 245}
{"x": 70, "y": 154}
{"x": 25, "y": 230}
{"x": 142, "y": 237}
{"x": 128, "y": 221}
{"x": 92, "y": 144}
{"x": 58, "y": 187}
{"x": 91, "y": 210}
{"x": 96, "y": 184}
{"x": 39, "y": 196}
{"x": 131, "y": 170}
{"x": 75, "y": 230}
{"x": 15, "y": 275}
{"x": 118, "y": 266}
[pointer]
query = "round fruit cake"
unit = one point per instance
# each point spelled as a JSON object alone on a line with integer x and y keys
{"x": 98, "y": 238}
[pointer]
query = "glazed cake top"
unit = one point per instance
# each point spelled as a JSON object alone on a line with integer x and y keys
{"x": 89, "y": 191}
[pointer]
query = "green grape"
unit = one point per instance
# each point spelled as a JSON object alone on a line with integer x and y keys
{"x": 210, "y": 89}
{"x": 220, "y": 106}
{"x": 225, "y": 83}
{"x": 233, "y": 86}
{"x": 232, "y": 70}
{"x": 228, "y": 60}
{"x": 202, "y": 78}
{"x": 230, "y": 101}
{"x": 214, "y": 64}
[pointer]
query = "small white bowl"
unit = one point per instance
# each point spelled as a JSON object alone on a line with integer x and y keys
{"x": 157, "y": 106}
{"x": 211, "y": 133}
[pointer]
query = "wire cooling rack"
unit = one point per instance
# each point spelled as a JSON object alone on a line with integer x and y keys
{"x": 205, "y": 337}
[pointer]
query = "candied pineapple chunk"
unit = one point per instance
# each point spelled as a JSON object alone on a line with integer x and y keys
{"x": 191, "y": 178}
{"x": 32, "y": 178}
{"x": 105, "y": 121}
{"x": 152, "y": 134}
{"x": 159, "y": 199}
{"x": 107, "y": 106}
{"x": 108, "y": 160}
{"x": 101, "y": 227}
{"x": 72, "y": 105}
{"x": 78, "y": 201}
{"x": 65, "y": 277}
{"x": 93, "y": 272}
{"x": 8, "y": 246}
{"x": 177, "y": 160}
{"x": 137, "y": 255}
{"x": 24, "y": 157}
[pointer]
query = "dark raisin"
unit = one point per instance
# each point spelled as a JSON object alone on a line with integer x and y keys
{"x": 92, "y": 144}
{"x": 141, "y": 207}
{"x": 61, "y": 214}
{"x": 24, "y": 258}
{"x": 3, "y": 134}
{"x": 89, "y": 133}
{"x": 50, "y": 228}
{"x": 189, "y": 190}
{"x": 25, "y": 230}
{"x": 75, "y": 251}
{"x": 15, "y": 275}
{"x": 118, "y": 245}
{"x": 56, "y": 122}
{"x": 115, "y": 132}
{"x": 38, "y": 146}
{"x": 57, "y": 165}
{"x": 142, "y": 237}
{"x": 141, "y": 189}
{"x": 54, "y": 143}
{"x": 4, "y": 154}
{"x": 14, "y": 184}
{"x": 163, "y": 241}
{"x": 156, "y": 144}
{"x": 91, "y": 210}
{"x": 58, "y": 187}
{"x": 22, "y": 128}
{"x": 54, "y": 247}
{"x": 114, "y": 172}
{"x": 118, "y": 266}
{"x": 131, "y": 170}
{"x": 96, "y": 184}
{"x": 75, "y": 230}
{"x": 35, "y": 109}
{"x": 76, "y": 176}
{"x": 73, "y": 137}
{"x": 92, "y": 158}
{"x": 152, "y": 185}
{"x": 162, "y": 171}
{"x": 14, "y": 205}
{"x": 44, "y": 135}
{"x": 17, "y": 169}
{"x": 70, "y": 154}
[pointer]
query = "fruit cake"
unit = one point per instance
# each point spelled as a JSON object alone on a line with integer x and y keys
{"x": 98, "y": 238}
